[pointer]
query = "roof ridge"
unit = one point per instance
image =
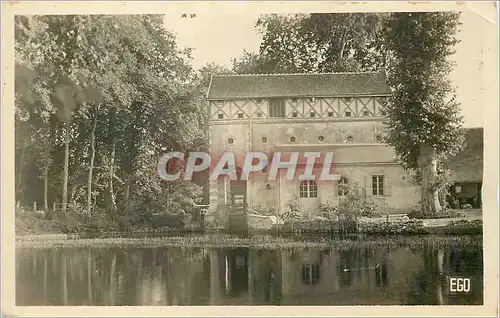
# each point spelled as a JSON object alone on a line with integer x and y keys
{"x": 281, "y": 74}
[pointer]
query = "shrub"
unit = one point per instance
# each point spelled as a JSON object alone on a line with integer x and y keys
{"x": 400, "y": 227}
{"x": 292, "y": 212}
{"x": 329, "y": 212}
{"x": 445, "y": 213}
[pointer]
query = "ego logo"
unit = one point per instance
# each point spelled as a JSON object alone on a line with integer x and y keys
{"x": 461, "y": 285}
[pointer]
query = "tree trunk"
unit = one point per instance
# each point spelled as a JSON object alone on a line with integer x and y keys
{"x": 111, "y": 192}
{"x": 66, "y": 168}
{"x": 112, "y": 201}
{"x": 20, "y": 170}
{"x": 91, "y": 168}
{"x": 428, "y": 168}
{"x": 45, "y": 189}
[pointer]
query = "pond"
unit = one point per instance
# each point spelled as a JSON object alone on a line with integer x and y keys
{"x": 157, "y": 276}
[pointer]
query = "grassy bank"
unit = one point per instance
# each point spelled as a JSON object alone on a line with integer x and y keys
{"x": 256, "y": 241}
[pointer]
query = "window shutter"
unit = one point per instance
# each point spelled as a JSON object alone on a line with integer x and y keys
{"x": 368, "y": 186}
{"x": 387, "y": 186}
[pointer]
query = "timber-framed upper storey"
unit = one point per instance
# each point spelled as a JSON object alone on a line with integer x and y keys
{"x": 298, "y": 97}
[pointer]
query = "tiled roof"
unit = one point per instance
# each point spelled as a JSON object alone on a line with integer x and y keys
{"x": 297, "y": 85}
{"x": 467, "y": 165}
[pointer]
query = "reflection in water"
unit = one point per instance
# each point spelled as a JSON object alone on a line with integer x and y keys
{"x": 242, "y": 276}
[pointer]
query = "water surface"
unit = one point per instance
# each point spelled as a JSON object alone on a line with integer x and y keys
{"x": 247, "y": 276}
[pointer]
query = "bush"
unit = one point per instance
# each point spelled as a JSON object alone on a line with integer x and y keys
{"x": 292, "y": 212}
{"x": 400, "y": 227}
{"x": 31, "y": 223}
{"x": 477, "y": 224}
{"x": 350, "y": 207}
{"x": 445, "y": 213}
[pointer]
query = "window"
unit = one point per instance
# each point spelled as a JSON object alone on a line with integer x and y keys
{"x": 240, "y": 115}
{"x": 343, "y": 186}
{"x": 310, "y": 274}
{"x": 308, "y": 189}
{"x": 292, "y": 139}
{"x": 366, "y": 113}
{"x": 378, "y": 137}
{"x": 264, "y": 139}
{"x": 295, "y": 114}
{"x": 220, "y": 116}
{"x": 347, "y": 114}
{"x": 378, "y": 185}
{"x": 330, "y": 114}
{"x": 277, "y": 108}
{"x": 349, "y": 139}
{"x": 259, "y": 114}
{"x": 312, "y": 114}
{"x": 230, "y": 140}
{"x": 321, "y": 138}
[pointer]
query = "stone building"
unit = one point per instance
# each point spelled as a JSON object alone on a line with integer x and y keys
{"x": 467, "y": 172}
{"x": 341, "y": 113}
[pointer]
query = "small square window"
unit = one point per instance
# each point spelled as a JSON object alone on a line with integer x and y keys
{"x": 366, "y": 113}
{"x": 330, "y": 114}
{"x": 295, "y": 114}
{"x": 240, "y": 115}
{"x": 321, "y": 138}
{"x": 264, "y": 139}
{"x": 259, "y": 114}
{"x": 292, "y": 139}
{"x": 312, "y": 114}
{"x": 230, "y": 140}
{"x": 347, "y": 114}
{"x": 220, "y": 116}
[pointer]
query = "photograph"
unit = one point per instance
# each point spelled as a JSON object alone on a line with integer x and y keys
{"x": 263, "y": 157}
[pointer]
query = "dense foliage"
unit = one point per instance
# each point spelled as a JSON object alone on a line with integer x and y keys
{"x": 98, "y": 99}
{"x": 424, "y": 116}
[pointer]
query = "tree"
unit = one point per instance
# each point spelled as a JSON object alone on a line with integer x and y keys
{"x": 423, "y": 116}
{"x": 318, "y": 42}
{"x": 98, "y": 99}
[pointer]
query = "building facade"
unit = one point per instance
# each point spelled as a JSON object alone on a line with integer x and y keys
{"x": 341, "y": 113}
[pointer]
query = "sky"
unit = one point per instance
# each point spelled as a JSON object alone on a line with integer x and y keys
{"x": 219, "y": 38}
